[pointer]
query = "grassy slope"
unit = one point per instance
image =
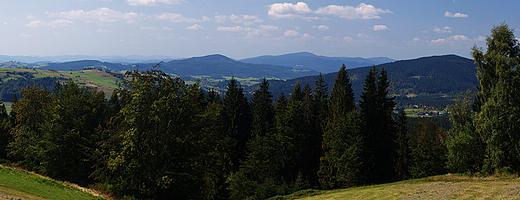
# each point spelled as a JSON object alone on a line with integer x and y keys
{"x": 30, "y": 186}
{"x": 92, "y": 77}
{"x": 438, "y": 187}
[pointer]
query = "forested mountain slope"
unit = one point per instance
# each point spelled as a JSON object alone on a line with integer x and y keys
{"x": 321, "y": 64}
{"x": 426, "y": 75}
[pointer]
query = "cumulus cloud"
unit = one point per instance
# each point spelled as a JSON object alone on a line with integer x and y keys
{"x": 321, "y": 27}
{"x": 242, "y": 19}
{"x": 362, "y": 11}
{"x": 446, "y": 29}
{"x": 455, "y": 39}
{"x": 288, "y": 10}
{"x": 449, "y": 14}
{"x": 151, "y": 2}
{"x": 347, "y": 38}
{"x": 174, "y": 17}
{"x": 231, "y": 29}
{"x": 167, "y": 28}
{"x": 380, "y": 28}
{"x": 291, "y": 33}
{"x": 195, "y": 27}
{"x": 55, "y": 23}
{"x": 307, "y": 37}
{"x": 100, "y": 14}
{"x": 204, "y": 18}
{"x": 302, "y": 10}
{"x": 268, "y": 27}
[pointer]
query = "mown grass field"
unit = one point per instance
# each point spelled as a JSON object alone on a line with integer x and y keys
{"x": 30, "y": 186}
{"x": 89, "y": 77}
{"x": 437, "y": 187}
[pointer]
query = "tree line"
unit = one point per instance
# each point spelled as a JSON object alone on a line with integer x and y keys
{"x": 158, "y": 138}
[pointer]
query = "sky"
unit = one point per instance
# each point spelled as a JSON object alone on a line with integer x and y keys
{"x": 398, "y": 29}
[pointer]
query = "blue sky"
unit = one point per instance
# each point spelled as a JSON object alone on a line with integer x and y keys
{"x": 399, "y": 29}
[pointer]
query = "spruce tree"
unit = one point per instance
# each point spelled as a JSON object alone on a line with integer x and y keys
{"x": 263, "y": 110}
{"x": 402, "y": 146}
{"x": 378, "y": 129}
{"x": 236, "y": 120}
{"x": 342, "y": 143}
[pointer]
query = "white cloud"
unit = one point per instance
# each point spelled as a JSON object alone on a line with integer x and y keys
{"x": 195, "y": 27}
{"x": 24, "y": 35}
{"x": 363, "y": 11}
{"x": 458, "y": 37}
{"x": 242, "y": 19}
{"x": 152, "y": 2}
{"x": 100, "y": 14}
{"x": 306, "y": 37}
{"x": 204, "y": 18}
{"x": 312, "y": 18}
{"x": 220, "y": 18}
{"x": 167, "y": 28}
{"x": 31, "y": 17}
{"x": 449, "y": 14}
{"x": 288, "y": 10}
{"x": 347, "y": 38}
{"x": 174, "y": 17}
{"x": 291, "y": 33}
{"x": 321, "y": 27}
{"x": 268, "y": 27}
{"x": 101, "y": 31}
{"x": 446, "y": 29}
{"x": 302, "y": 10}
{"x": 55, "y": 23}
{"x": 482, "y": 38}
{"x": 5, "y": 23}
{"x": 328, "y": 38}
{"x": 416, "y": 39}
{"x": 380, "y": 28}
{"x": 455, "y": 39}
{"x": 231, "y": 29}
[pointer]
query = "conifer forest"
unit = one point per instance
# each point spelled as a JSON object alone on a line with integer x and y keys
{"x": 159, "y": 138}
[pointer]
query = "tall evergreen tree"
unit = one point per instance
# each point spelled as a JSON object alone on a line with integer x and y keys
{"x": 5, "y": 125}
{"x": 342, "y": 143}
{"x": 69, "y": 131}
{"x": 263, "y": 110}
{"x": 236, "y": 120}
{"x": 379, "y": 128}
{"x": 403, "y": 154}
{"x": 428, "y": 150}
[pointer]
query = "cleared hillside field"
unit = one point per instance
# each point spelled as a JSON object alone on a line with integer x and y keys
{"x": 437, "y": 187}
{"x": 101, "y": 79}
{"x": 26, "y": 185}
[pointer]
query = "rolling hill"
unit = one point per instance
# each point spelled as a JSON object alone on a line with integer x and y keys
{"x": 218, "y": 66}
{"x": 215, "y": 66}
{"x": 321, "y": 64}
{"x": 434, "y": 79}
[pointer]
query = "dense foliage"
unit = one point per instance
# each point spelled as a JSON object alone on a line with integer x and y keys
{"x": 159, "y": 138}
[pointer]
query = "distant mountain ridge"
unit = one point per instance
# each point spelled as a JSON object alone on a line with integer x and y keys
{"x": 217, "y": 66}
{"x": 321, "y": 64}
{"x": 427, "y": 75}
